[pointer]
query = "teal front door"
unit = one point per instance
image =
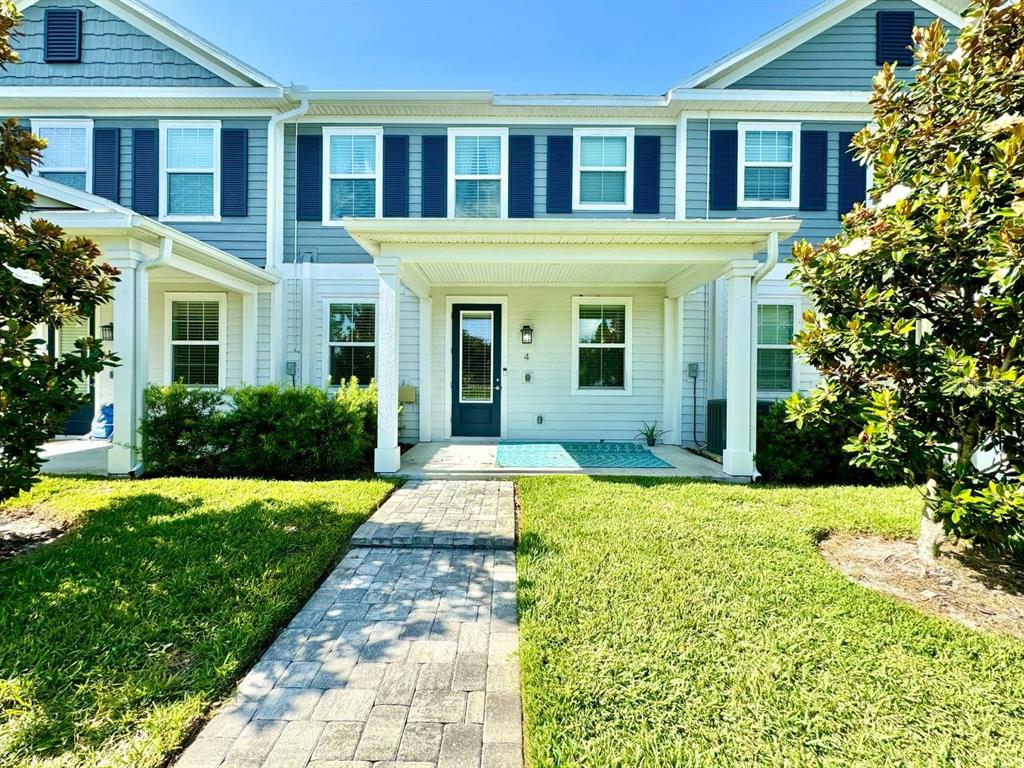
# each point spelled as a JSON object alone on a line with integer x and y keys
{"x": 476, "y": 370}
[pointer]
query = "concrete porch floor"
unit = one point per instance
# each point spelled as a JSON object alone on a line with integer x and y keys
{"x": 478, "y": 461}
{"x": 75, "y": 456}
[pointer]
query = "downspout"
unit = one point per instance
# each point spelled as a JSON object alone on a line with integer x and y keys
{"x": 275, "y": 223}
{"x": 762, "y": 272}
{"x": 142, "y": 330}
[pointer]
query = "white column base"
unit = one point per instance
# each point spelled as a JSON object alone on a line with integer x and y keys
{"x": 738, "y": 463}
{"x": 387, "y": 459}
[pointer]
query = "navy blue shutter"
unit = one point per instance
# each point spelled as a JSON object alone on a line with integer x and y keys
{"x": 559, "y": 174}
{"x": 234, "y": 172}
{"x": 894, "y": 34}
{"x": 62, "y": 35}
{"x": 106, "y": 163}
{"x": 396, "y": 175}
{"x": 145, "y": 170}
{"x": 646, "y": 174}
{"x": 724, "y": 157}
{"x": 813, "y": 170}
{"x": 308, "y": 178}
{"x": 435, "y": 177}
{"x": 520, "y": 177}
{"x": 853, "y": 177}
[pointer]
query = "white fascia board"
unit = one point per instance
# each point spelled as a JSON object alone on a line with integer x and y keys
{"x": 733, "y": 95}
{"x": 578, "y": 100}
{"x": 484, "y": 97}
{"x": 788, "y": 36}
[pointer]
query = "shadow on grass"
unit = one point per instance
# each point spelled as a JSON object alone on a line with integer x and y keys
{"x": 153, "y": 603}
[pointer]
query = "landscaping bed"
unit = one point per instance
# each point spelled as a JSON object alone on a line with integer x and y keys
{"x": 697, "y": 624}
{"x": 116, "y": 638}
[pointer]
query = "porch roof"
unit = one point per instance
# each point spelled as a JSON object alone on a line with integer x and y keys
{"x": 81, "y": 213}
{"x": 373, "y": 233}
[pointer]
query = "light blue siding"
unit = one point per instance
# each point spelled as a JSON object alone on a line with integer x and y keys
{"x": 242, "y": 236}
{"x": 317, "y": 243}
{"x": 113, "y": 53}
{"x": 840, "y": 58}
{"x": 817, "y": 225}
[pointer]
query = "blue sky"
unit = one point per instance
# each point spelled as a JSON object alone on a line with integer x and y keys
{"x": 506, "y": 46}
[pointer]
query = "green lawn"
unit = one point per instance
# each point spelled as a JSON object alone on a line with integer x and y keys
{"x": 118, "y": 636}
{"x": 694, "y": 624}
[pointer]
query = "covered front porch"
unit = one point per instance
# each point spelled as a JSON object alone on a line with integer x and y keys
{"x": 181, "y": 310}
{"x": 506, "y": 311}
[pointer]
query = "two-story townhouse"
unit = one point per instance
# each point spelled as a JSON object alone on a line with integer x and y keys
{"x": 506, "y": 267}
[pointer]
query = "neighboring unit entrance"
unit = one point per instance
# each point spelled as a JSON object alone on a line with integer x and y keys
{"x": 476, "y": 370}
{"x": 62, "y": 341}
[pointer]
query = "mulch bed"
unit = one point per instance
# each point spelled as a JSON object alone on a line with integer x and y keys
{"x": 961, "y": 585}
{"x": 24, "y": 529}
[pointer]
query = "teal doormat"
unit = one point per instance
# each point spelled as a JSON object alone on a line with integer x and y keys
{"x": 578, "y": 456}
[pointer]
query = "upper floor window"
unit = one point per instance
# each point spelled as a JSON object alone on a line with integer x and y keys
{"x": 775, "y": 347}
{"x": 190, "y": 170}
{"x": 478, "y": 180}
{"x": 769, "y": 166}
{"x": 602, "y": 177}
{"x": 353, "y": 183}
{"x": 67, "y": 158}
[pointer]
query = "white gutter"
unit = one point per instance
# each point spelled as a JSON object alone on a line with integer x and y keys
{"x": 762, "y": 272}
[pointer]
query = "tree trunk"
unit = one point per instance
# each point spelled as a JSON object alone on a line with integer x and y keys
{"x": 931, "y": 536}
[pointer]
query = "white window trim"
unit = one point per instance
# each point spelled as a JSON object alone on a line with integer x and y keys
{"x": 327, "y": 343}
{"x": 377, "y": 176}
{"x": 742, "y": 165}
{"x": 37, "y": 124}
{"x": 166, "y": 125}
{"x": 627, "y": 388}
{"x": 222, "y": 327}
{"x": 502, "y": 178}
{"x": 794, "y": 369}
{"x": 490, "y": 373}
{"x": 577, "y": 135}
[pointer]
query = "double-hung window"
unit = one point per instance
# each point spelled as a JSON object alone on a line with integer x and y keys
{"x": 353, "y": 182}
{"x": 602, "y": 178}
{"x": 602, "y": 348}
{"x": 190, "y": 170}
{"x": 477, "y": 172}
{"x": 351, "y": 341}
{"x": 195, "y": 331}
{"x": 67, "y": 158}
{"x": 769, "y": 165}
{"x": 775, "y": 347}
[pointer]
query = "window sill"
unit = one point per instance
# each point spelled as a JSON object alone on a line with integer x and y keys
{"x": 590, "y": 207}
{"x": 768, "y": 204}
{"x": 602, "y": 391}
{"x": 178, "y": 219}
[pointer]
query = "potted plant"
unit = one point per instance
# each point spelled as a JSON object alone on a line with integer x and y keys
{"x": 651, "y": 433}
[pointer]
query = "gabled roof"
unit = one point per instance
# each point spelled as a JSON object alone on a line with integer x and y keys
{"x": 184, "y": 41}
{"x": 798, "y": 30}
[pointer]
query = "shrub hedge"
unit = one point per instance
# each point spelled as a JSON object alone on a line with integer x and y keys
{"x": 275, "y": 432}
{"x": 812, "y": 455}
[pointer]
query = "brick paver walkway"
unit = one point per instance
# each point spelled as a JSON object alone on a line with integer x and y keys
{"x": 406, "y": 657}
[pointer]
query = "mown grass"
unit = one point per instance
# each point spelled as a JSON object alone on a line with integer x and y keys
{"x": 694, "y": 624}
{"x": 115, "y": 638}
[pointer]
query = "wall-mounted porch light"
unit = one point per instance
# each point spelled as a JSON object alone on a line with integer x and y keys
{"x": 107, "y": 332}
{"x": 526, "y": 333}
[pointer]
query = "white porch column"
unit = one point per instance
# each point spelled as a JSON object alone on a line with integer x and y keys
{"x": 250, "y": 325}
{"x": 131, "y": 323}
{"x": 672, "y": 372}
{"x": 738, "y": 456}
{"x": 387, "y": 457}
{"x": 426, "y": 311}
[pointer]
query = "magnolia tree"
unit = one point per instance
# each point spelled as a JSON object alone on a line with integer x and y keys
{"x": 919, "y": 300}
{"x": 46, "y": 280}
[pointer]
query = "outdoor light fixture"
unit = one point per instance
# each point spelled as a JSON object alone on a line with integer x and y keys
{"x": 107, "y": 332}
{"x": 527, "y": 334}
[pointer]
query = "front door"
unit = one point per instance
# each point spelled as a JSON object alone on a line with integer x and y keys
{"x": 476, "y": 370}
{"x": 62, "y": 341}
